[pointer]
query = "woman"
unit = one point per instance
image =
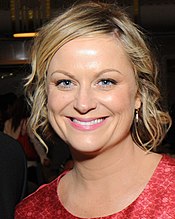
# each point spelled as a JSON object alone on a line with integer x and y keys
{"x": 95, "y": 84}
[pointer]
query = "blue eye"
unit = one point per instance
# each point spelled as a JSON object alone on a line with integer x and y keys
{"x": 64, "y": 84}
{"x": 107, "y": 82}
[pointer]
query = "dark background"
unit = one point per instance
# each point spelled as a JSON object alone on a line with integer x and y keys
{"x": 157, "y": 17}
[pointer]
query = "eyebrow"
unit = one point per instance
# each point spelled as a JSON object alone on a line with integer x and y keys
{"x": 99, "y": 73}
{"x": 108, "y": 70}
{"x": 63, "y": 72}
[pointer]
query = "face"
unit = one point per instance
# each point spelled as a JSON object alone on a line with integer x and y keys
{"x": 92, "y": 93}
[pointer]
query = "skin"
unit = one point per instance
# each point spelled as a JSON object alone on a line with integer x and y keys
{"x": 92, "y": 97}
{"x": 101, "y": 85}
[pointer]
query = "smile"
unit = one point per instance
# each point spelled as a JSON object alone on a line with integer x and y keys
{"x": 87, "y": 124}
{"x": 93, "y": 122}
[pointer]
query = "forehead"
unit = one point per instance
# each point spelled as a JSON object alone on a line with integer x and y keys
{"x": 100, "y": 41}
{"x": 91, "y": 53}
{"x": 91, "y": 57}
{"x": 106, "y": 44}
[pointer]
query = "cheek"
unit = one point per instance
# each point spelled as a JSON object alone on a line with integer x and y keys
{"x": 54, "y": 102}
{"x": 54, "y": 107}
{"x": 57, "y": 101}
{"x": 118, "y": 101}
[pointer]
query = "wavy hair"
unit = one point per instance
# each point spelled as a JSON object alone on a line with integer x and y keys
{"x": 93, "y": 18}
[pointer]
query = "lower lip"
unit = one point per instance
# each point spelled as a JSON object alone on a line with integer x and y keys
{"x": 87, "y": 127}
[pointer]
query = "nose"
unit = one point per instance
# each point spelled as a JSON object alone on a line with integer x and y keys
{"x": 85, "y": 100}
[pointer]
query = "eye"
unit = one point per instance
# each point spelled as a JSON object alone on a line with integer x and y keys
{"x": 107, "y": 83}
{"x": 64, "y": 84}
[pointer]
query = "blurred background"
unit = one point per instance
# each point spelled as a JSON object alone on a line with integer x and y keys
{"x": 157, "y": 17}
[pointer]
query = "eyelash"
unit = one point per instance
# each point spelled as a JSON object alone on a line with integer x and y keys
{"x": 66, "y": 83}
{"x": 107, "y": 81}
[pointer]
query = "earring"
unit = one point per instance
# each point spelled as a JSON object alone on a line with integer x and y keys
{"x": 137, "y": 115}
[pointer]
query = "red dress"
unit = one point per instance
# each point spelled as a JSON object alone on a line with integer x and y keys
{"x": 157, "y": 201}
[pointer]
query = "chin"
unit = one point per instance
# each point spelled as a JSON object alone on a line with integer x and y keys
{"x": 85, "y": 149}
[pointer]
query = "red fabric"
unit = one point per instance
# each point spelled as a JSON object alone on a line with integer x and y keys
{"x": 27, "y": 146}
{"x": 157, "y": 201}
{"x": 25, "y": 142}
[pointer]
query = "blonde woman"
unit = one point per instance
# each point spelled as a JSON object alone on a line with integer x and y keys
{"x": 94, "y": 83}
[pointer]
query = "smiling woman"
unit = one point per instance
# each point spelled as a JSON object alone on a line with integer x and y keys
{"x": 97, "y": 93}
{"x": 93, "y": 82}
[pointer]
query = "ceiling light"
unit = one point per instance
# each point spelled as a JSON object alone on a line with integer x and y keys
{"x": 32, "y": 34}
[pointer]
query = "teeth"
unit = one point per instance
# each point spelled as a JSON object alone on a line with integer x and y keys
{"x": 93, "y": 122}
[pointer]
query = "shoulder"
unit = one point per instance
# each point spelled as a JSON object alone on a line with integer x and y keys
{"x": 11, "y": 150}
{"x": 44, "y": 201}
{"x": 165, "y": 173}
{"x": 13, "y": 181}
{"x": 167, "y": 164}
{"x": 160, "y": 192}
{"x": 8, "y": 145}
{"x": 39, "y": 196}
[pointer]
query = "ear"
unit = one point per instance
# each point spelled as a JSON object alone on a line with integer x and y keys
{"x": 138, "y": 102}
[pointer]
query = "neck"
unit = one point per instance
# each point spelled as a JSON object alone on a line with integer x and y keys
{"x": 116, "y": 162}
{"x": 107, "y": 182}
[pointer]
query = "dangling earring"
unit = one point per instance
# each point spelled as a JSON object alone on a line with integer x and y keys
{"x": 136, "y": 115}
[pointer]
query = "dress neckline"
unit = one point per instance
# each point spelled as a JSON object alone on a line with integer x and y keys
{"x": 149, "y": 185}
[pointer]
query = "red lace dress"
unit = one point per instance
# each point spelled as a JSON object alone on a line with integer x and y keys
{"x": 157, "y": 201}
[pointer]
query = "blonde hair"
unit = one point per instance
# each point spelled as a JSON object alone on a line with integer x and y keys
{"x": 93, "y": 18}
